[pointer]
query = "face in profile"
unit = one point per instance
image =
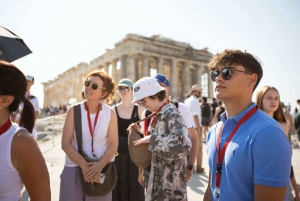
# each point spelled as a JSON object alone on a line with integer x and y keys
{"x": 270, "y": 101}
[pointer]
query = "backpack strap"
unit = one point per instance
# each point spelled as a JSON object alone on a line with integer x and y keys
{"x": 78, "y": 127}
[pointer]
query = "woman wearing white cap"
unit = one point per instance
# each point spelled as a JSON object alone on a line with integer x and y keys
{"x": 168, "y": 140}
{"x": 128, "y": 187}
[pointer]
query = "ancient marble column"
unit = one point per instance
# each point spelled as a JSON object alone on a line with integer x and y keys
{"x": 174, "y": 88}
{"x": 199, "y": 69}
{"x": 114, "y": 70}
{"x": 106, "y": 65}
{"x": 160, "y": 63}
{"x": 130, "y": 68}
{"x": 210, "y": 84}
{"x": 123, "y": 66}
{"x": 186, "y": 77}
{"x": 145, "y": 67}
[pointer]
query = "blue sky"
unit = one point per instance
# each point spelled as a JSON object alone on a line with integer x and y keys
{"x": 63, "y": 33}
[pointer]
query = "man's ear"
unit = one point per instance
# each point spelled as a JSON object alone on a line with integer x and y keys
{"x": 253, "y": 79}
{"x": 6, "y": 100}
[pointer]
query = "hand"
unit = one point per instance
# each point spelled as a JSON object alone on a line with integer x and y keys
{"x": 140, "y": 179}
{"x": 86, "y": 177}
{"x": 93, "y": 171}
{"x": 135, "y": 127}
{"x": 142, "y": 140}
{"x": 189, "y": 174}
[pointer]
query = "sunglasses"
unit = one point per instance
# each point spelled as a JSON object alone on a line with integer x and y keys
{"x": 125, "y": 89}
{"x": 142, "y": 102}
{"x": 226, "y": 73}
{"x": 95, "y": 86}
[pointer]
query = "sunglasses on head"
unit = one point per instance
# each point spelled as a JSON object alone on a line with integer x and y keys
{"x": 125, "y": 89}
{"x": 95, "y": 86}
{"x": 225, "y": 72}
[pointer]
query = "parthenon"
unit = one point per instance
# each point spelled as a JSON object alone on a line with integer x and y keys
{"x": 135, "y": 57}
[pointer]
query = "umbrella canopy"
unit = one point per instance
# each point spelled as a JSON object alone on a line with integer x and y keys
{"x": 11, "y": 46}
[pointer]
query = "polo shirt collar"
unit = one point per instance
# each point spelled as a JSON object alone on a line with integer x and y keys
{"x": 238, "y": 117}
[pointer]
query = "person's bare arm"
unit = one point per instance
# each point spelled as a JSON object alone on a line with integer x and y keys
{"x": 30, "y": 163}
{"x": 267, "y": 193}
{"x": 207, "y": 194}
{"x": 295, "y": 188}
{"x": 66, "y": 143}
{"x": 193, "y": 152}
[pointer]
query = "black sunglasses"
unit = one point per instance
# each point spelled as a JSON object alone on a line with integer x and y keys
{"x": 95, "y": 86}
{"x": 226, "y": 73}
{"x": 125, "y": 89}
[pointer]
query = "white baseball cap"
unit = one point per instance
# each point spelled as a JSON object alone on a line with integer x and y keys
{"x": 147, "y": 86}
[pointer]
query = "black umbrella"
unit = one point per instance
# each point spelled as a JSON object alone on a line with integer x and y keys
{"x": 11, "y": 46}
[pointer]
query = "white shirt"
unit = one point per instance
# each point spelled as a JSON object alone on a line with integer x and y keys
{"x": 194, "y": 107}
{"x": 185, "y": 113}
{"x": 100, "y": 134}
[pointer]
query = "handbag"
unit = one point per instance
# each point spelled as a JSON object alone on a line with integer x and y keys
{"x": 139, "y": 154}
{"x": 95, "y": 189}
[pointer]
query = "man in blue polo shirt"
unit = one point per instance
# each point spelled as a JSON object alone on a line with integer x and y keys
{"x": 249, "y": 155}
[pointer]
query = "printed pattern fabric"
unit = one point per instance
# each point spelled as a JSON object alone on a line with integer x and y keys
{"x": 170, "y": 144}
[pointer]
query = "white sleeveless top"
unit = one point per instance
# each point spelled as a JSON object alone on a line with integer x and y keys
{"x": 11, "y": 183}
{"x": 100, "y": 134}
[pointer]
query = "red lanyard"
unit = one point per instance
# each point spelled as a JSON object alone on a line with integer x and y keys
{"x": 153, "y": 120}
{"x": 221, "y": 153}
{"x": 5, "y": 126}
{"x": 90, "y": 124}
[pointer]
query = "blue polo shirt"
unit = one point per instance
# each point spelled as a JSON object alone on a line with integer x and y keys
{"x": 259, "y": 153}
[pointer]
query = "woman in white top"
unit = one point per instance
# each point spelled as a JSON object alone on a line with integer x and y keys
{"x": 21, "y": 161}
{"x": 268, "y": 100}
{"x": 99, "y": 138}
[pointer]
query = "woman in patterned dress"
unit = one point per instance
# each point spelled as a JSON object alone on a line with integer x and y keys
{"x": 128, "y": 187}
{"x": 168, "y": 140}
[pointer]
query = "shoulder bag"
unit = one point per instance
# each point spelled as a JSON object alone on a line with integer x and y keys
{"x": 109, "y": 170}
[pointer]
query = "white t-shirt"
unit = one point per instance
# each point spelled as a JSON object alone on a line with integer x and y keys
{"x": 194, "y": 107}
{"x": 185, "y": 113}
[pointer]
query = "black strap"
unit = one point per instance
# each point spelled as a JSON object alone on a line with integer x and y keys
{"x": 134, "y": 113}
{"x": 78, "y": 127}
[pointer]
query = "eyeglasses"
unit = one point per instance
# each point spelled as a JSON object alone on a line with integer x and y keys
{"x": 142, "y": 102}
{"x": 95, "y": 86}
{"x": 226, "y": 73}
{"x": 125, "y": 89}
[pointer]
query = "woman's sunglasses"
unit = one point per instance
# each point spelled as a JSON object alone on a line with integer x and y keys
{"x": 125, "y": 89}
{"x": 95, "y": 86}
{"x": 226, "y": 73}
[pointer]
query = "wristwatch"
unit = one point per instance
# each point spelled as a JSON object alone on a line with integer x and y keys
{"x": 189, "y": 166}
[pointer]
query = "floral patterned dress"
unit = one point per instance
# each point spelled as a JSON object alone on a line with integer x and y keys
{"x": 170, "y": 144}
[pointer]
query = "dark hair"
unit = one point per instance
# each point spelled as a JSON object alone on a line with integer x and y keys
{"x": 298, "y": 101}
{"x": 204, "y": 99}
{"x": 237, "y": 57}
{"x": 278, "y": 114}
{"x": 108, "y": 83}
{"x": 160, "y": 95}
{"x": 14, "y": 83}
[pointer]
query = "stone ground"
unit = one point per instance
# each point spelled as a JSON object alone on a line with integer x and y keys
{"x": 54, "y": 157}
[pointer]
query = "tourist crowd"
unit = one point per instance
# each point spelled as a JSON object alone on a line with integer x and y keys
{"x": 247, "y": 143}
